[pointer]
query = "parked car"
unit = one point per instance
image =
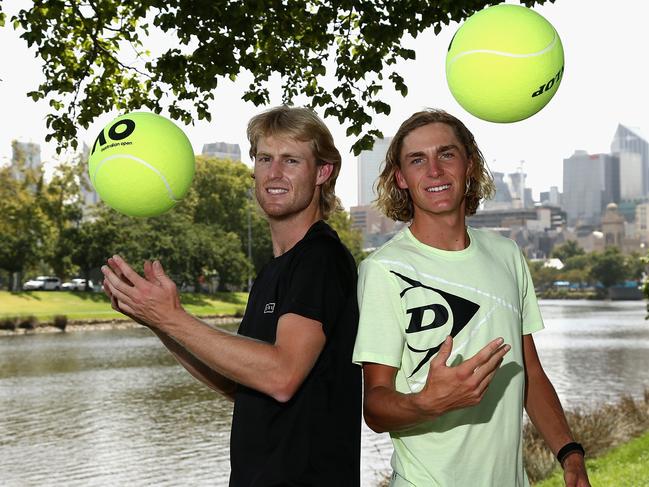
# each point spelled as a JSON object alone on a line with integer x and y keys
{"x": 77, "y": 284}
{"x": 43, "y": 283}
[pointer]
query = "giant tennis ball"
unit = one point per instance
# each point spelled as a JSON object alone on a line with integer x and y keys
{"x": 504, "y": 63}
{"x": 141, "y": 164}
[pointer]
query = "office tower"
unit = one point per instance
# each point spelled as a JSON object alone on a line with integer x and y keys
{"x": 27, "y": 153}
{"x": 222, "y": 150}
{"x": 585, "y": 189}
{"x": 633, "y": 151}
{"x": 551, "y": 198}
{"x": 89, "y": 196}
{"x": 370, "y": 163}
{"x": 503, "y": 198}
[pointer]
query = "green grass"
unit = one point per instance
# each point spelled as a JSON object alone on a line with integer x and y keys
{"x": 624, "y": 466}
{"x": 96, "y": 306}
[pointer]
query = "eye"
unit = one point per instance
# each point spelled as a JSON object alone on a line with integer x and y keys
{"x": 262, "y": 159}
{"x": 447, "y": 155}
{"x": 417, "y": 160}
{"x": 292, "y": 161}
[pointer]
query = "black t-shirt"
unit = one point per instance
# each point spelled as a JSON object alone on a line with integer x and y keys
{"x": 313, "y": 439}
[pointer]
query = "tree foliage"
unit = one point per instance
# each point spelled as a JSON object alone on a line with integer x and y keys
{"x": 568, "y": 249}
{"x": 609, "y": 267}
{"x": 340, "y": 56}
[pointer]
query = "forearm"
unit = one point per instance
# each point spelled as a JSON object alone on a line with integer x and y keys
{"x": 243, "y": 360}
{"x": 387, "y": 410}
{"x": 545, "y": 411}
{"x": 198, "y": 369}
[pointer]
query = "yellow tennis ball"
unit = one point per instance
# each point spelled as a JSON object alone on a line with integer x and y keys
{"x": 141, "y": 164}
{"x": 504, "y": 63}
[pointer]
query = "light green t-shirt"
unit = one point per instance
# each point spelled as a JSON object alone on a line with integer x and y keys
{"x": 411, "y": 296}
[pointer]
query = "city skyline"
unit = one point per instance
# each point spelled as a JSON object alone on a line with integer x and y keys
{"x": 603, "y": 86}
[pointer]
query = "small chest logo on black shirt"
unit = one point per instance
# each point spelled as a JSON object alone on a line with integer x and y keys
{"x": 269, "y": 308}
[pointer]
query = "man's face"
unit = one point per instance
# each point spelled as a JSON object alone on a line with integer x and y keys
{"x": 434, "y": 167}
{"x": 286, "y": 176}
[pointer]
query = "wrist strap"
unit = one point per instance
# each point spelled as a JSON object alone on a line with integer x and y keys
{"x": 569, "y": 448}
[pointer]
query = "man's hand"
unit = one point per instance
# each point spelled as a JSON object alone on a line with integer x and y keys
{"x": 449, "y": 388}
{"x": 149, "y": 300}
{"x": 574, "y": 471}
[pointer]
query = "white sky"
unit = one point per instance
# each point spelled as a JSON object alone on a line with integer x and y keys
{"x": 606, "y": 82}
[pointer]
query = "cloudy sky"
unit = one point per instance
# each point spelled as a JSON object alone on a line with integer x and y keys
{"x": 606, "y": 82}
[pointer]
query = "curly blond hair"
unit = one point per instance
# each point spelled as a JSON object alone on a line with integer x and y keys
{"x": 304, "y": 125}
{"x": 396, "y": 203}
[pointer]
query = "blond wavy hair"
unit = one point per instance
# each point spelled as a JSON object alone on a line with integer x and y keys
{"x": 396, "y": 203}
{"x": 304, "y": 125}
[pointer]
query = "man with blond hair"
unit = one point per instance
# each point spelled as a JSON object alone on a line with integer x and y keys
{"x": 297, "y": 395}
{"x": 446, "y": 320}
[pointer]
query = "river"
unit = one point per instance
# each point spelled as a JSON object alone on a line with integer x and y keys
{"x": 99, "y": 408}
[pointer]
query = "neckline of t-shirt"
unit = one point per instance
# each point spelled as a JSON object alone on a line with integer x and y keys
{"x": 318, "y": 227}
{"x": 446, "y": 254}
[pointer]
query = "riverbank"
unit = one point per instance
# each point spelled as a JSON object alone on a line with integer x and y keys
{"x": 115, "y": 324}
{"x": 51, "y": 311}
{"x": 627, "y": 465}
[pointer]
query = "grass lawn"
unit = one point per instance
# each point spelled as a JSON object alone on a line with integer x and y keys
{"x": 624, "y": 466}
{"x": 95, "y": 306}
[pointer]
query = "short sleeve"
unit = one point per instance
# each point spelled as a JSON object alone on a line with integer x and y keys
{"x": 531, "y": 318}
{"x": 320, "y": 278}
{"x": 380, "y": 337}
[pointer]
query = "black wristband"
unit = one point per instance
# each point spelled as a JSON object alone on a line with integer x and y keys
{"x": 569, "y": 448}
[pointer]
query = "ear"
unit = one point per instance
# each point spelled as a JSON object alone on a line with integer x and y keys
{"x": 469, "y": 169}
{"x": 401, "y": 181}
{"x": 324, "y": 172}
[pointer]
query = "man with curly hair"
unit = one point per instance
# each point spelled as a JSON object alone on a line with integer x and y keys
{"x": 447, "y": 314}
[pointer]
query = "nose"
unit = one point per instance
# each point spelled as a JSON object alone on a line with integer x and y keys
{"x": 435, "y": 169}
{"x": 275, "y": 169}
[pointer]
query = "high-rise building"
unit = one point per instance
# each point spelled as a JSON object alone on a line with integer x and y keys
{"x": 27, "y": 153}
{"x": 370, "y": 163}
{"x": 633, "y": 151}
{"x": 551, "y": 198}
{"x": 586, "y": 189}
{"x": 89, "y": 196}
{"x": 503, "y": 198}
{"x": 222, "y": 150}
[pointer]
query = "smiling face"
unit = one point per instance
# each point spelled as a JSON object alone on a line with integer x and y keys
{"x": 434, "y": 167}
{"x": 287, "y": 178}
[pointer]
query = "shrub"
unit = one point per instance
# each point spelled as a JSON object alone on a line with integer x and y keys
{"x": 28, "y": 322}
{"x": 598, "y": 431}
{"x": 60, "y": 322}
{"x": 9, "y": 323}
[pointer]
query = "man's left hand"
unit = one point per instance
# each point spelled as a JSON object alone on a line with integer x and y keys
{"x": 574, "y": 471}
{"x": 150, "y": 300}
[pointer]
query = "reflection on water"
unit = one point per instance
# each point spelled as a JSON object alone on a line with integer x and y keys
{"x": 595, "y": 352}
{"x": 112, "y": 407}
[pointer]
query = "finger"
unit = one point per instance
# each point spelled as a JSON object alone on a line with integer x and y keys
{"x": 115, "y": 268}
{"x": 444, "y": 353}
{"x": 163, "y": 278}
{"x": 486, "y": 380}
{"x": 492, "y": 364}
{"x": 106, "y": 289}
{"x": 117, "y": 286}
{"x": 148, "y": 271}
{"x": 483, "y": 356}
{"x": 128, "y": 272}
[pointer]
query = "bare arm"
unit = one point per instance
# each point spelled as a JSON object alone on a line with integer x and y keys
{"x": 446, "y": 388}
{"x": 276, "y": 369}
{"x": 544, "y": 409}
{"x": 195, "y": 367}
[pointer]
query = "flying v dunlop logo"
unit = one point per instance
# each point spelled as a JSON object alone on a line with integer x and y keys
{"x": 451, "y": 308}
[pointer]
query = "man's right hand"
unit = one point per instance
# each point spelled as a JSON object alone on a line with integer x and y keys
{"x": 449, "y": 388}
